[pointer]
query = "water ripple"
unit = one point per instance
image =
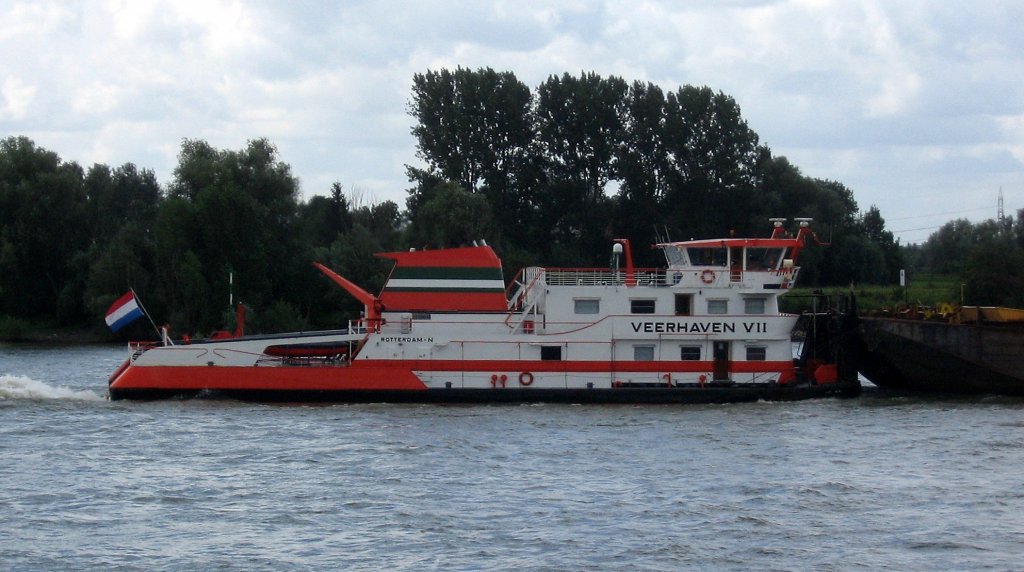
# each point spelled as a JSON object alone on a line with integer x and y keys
{"x": 868, "y": 484}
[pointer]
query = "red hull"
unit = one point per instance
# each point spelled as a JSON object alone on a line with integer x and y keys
{"x": 189, "y": 378}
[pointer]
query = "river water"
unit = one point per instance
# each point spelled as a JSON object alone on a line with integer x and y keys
{"x": 873, "y": 483}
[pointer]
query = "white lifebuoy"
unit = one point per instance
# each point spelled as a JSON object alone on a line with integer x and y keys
{"x": 525, "y": 378}
{"x": 707, "y": 277}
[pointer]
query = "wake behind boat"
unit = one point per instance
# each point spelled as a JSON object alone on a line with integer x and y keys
{"x": 705, "y": 329}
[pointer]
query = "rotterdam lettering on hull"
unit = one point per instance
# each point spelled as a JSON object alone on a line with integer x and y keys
{"x": 698, "y": 327}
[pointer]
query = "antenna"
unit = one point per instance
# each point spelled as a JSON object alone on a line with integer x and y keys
{"x": 1001, "y": 214}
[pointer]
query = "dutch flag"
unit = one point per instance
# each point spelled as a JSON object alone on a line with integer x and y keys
{"x": 123, "y": 311}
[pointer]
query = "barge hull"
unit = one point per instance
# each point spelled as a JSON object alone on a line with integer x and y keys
{"x": 937, "y": 357}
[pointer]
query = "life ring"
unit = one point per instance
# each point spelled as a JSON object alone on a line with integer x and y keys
{"x": 707, "y": 277}
{"x": 525, "y": 378}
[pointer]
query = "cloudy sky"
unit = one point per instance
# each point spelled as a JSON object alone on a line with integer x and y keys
{"x": 917, "y": 106}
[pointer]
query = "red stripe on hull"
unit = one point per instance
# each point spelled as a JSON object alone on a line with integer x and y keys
{"x": 538, "y": 366}
{"x": 392, "y": 375}
{"x": 353, "y": 378}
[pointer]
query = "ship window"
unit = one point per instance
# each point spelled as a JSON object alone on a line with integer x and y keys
{"x": 753, "y": 305}
{"x": 551, "y": 353}
{"x": 641, "y": 306}
{"x": 757, "y": 353}
{"x": 684, "y": 303}
{"x": 716, "y": 256}
{"x": 587, "y": 305}
{"x": 689, "y": 353}
{"x": 718, "y": 306}
{"x": 420, "y": 316}
{"x": 675, "y": 256}
{"x": 763, "y": 258}
{"x": 643, "y": 353}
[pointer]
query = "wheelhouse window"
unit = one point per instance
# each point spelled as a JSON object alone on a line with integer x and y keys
{"x": 551, "y": 353}
{"x": 587, "y": 305}
{"x": 684, "y": 304}
{"x": 643, "y": 353}
{"x": 757, "y": 353}
{"x": 754, "y": 305}
{"x": 689, "y": 353}
{"x": 718, "y": 306}
{"x": 642, "y": 306}
{"x": 715, "y": 256}
{"x": 763, "y": 258}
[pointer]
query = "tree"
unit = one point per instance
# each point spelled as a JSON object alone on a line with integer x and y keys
{"x": 712, "y": 161}
{"x": 579, "y": 126}
{"x": 119, "y": 196}
{"x": 476, "y": 128}
{"x": 472, "y": 127}
{"x": 641, "y": 166}
{"x": 453, "y": 217}
{"x": 42, "y": 228}
{"x": 946, "y": 250}
{"x": 873, "y": 226}
{"x": 994, "y": 273}
{"x": 230, "y": 214}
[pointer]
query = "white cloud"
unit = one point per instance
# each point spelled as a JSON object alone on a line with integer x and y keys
{"x": 899, "y": 100}
{"x": 15, "y": 99}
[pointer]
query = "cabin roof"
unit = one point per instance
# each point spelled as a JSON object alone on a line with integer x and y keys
{"x": 733, "y": 243}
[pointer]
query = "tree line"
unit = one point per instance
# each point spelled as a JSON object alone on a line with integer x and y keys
{"x": 548, "y": 176}
{"x": 987, "y": 257}
{"x": 229, "y": 225}
{"x": 554, "y": 173}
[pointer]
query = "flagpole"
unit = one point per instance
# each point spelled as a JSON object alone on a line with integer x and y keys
{"x": 146, "y": 312}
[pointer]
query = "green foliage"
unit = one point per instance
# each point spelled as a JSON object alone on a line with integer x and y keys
{"x": 549, "y": 175}
{"x": 994, "y": 273}
{"x": 42, "y": 226}
{"x": 228, "y": 228}
{"x": 452, "y": 217}
{"x": 923, "y": 289}
{"x": 280, "y": 316}
{"x": 986, "y": 257}
{"x": 15, "y": 329}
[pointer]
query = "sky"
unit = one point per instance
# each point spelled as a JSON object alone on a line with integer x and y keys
{"x": 916, "y": 106}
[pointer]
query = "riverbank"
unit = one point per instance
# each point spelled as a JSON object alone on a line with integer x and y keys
{"x": 924, "y": 289}
{"x": 17, "y": 331}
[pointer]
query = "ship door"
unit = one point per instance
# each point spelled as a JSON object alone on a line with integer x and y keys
{"x": 721, "y": 363}
{"x": 736, "y": 265}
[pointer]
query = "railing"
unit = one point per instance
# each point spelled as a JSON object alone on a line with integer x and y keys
{"x": 603, "y": 277}
{"x": 523, "y": 302}
{"x": 136, "y": 349}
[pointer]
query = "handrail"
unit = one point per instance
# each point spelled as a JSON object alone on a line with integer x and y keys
{"x": 602, "y": 276}
{"x": 523, "y": 295}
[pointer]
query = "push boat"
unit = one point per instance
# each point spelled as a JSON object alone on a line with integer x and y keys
{"x": 445, "y": 328}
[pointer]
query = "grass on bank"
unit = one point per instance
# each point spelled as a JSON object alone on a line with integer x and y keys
{"x": 922, "y": 289}
{"x": 15, "y": 329}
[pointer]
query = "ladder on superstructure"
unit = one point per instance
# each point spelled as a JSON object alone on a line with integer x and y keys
{"x": 523, "y": 301}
